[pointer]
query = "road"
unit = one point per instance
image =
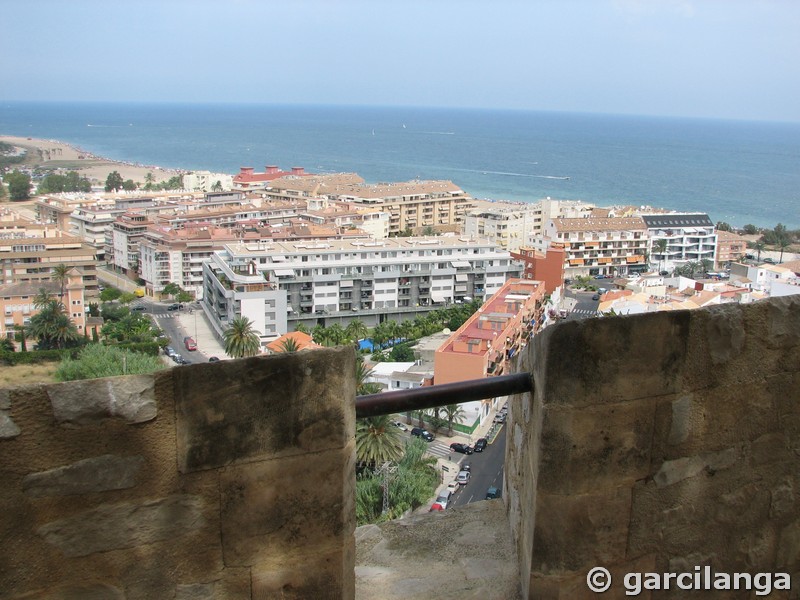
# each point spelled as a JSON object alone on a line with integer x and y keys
{"x": 487, "y": 471}
{"x": 585, "y": 307}
{"x": 166, "y": 321}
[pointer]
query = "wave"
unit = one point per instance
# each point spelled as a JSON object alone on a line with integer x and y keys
{"x": 439, "y": 132}
{"x": 512, "y": 174}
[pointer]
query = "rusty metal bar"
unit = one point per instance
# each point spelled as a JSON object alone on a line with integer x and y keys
{"x": 421, "y": 398}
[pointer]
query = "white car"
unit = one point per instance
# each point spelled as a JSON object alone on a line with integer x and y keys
{"x": 452, "y": 487}
{"x": 463, "y": 477}
{"x": 400, "y": 425}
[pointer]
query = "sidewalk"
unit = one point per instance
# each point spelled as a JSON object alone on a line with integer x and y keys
{"x": 193, "y": 321}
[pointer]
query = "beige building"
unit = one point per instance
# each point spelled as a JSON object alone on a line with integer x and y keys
{"x": 731, "y": 248}
{"x": 606, "y": 246}
{"x": 17, "y": 302}
{"x": 413, "y": 205}
{"x": 31, "y": 259}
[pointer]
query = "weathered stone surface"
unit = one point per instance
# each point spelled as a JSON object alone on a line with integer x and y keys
{"x": 672, "y": 471}
{"x": 580, "y": 529}
{"x": 269, "y": 511}
{"x": 129, "y": 398}
{"x": 85, "y": 591}
{"x": 98, "y": 474}
{"x": 595, "y": 447}
{"x": 125, "y": 525}
{"x": 8, "y": 429}
{"x": 681, "y": 425}
{"x": 725, "y": 333}
{"x": 195, "y": 591}
{"x": 317, "y": 575}
{"x": 597, "y": 361}
{"x": 236, "y": 411}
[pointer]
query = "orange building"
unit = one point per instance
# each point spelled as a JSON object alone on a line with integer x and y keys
{"x": 730, "y": 248}
{"x": 546, "y": 267}
{"x": 493, "y": 335}
{"x": 16, "y": 302}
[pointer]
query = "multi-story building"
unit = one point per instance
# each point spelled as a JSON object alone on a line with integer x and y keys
{"x": 126, "y": 233}
{"x": 690, "y": 237}
{"x": 17, "y": 302}
{"x": 247, "y": 179}
{"x": 730, "y": 248}
{"x": 506, "y": 225}
{"x": 93, "y": 226}
{"x": 206, "y": 181}
{"x": 614, "y": 246}
{"x": 280, "y": 284}
{"x": 413, "y": 205}
{"x": 547, "y": 266}
{"x": 485, "y": 344}
{"x": 32, "y": 259}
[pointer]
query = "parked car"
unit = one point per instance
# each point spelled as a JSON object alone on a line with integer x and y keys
{"x": 500, "y": 418}
{"x": 179, "y": 359}
{"x": 175, "y": 307}
{"x": 463, "y": 477}
{"x": 400, "y": 425}
{"x": 138, "y": 308}
{"x": 596, "y": 297}
{"x": 453, "y": 487}
{"x": 462, "y": 448}
{"x": 436, "y": 506}
{"x": 169, "y": 351}
{"x": 480, "y": 445}
{"x": 441, "y": 501}
{"x": 420, "y": 432}
{"x": 213, "y": 359}
{"x": 492, "y": 493}
{"x": 190, "y": 344}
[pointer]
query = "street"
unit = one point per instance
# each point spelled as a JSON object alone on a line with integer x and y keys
{"x": 486, "y": 469}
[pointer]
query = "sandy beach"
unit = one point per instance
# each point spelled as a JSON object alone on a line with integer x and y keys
{"x": 52, "y": 154}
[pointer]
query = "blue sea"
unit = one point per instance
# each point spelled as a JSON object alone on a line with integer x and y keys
{"x": 736, "y": 171}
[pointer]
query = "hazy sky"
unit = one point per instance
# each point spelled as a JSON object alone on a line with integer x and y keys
{"x": 705, "y": 58}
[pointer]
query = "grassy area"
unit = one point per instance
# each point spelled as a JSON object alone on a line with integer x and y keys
{"x": 28, "y": 374}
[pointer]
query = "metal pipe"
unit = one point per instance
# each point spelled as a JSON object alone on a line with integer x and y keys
{"x": 372, "y": 405}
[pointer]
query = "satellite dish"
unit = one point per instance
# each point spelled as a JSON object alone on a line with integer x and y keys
{"x": 446, "y": 330}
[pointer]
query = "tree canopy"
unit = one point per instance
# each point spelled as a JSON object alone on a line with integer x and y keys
{"x": 114, "y": 182}
{"x": 19, "y": 185}
{"x": 241, "y": 339}
{"x": 70, "y": 182}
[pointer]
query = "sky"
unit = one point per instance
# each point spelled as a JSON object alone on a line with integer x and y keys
{"x": 733, "y": 59}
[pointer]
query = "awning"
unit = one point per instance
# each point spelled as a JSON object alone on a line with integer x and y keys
{"x": 603, "y": 261}
{"x": 462, "y": 277}
{"x": 591, "y": 244}
{"x": 438, "y": 296}
{"x": 575, "y": 261}
{"x": 278, "y": 258}
{"x": 283, "y": 272}
{"x": 632, "y": 259}
{"x": 461, "y": 288}
{"x": 460, "y": 264}
{"x": 346, "y": 283}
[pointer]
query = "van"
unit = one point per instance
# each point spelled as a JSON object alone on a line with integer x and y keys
{"x": 421, "y": 433}
{"x": 139, "y": 293}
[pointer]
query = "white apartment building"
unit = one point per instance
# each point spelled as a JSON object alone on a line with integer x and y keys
{"x": 614, "y": 246}
{"x": 507, "y": 226}
{"x": 93, "y": 226}
{"x": 690, "y": 237}
{"x": 280, "y": 284}
{"x": 206, "y": 181}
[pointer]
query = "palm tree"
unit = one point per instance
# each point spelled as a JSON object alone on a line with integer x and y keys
{"x": 289, "y": 345}
{"x": 20, "y": 335}
{"x": 453, "y": 413}
{"x": 51, "y": 324}
{"x": 783, "y": 244}
{"x": 378, "y": 441}
{"x": 336, "y": 334}
{"x": 302, "y": 328}
{"x": 759, "y": 246}
{"x": 356, "y": 330}
{"x": 241, "y": 339}
{"x": 60, "y": 275}
{"x": 364, "y": 387}
{"x": 660, "y": 247}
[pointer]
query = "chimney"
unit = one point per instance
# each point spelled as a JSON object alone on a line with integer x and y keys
{"x": 298, "y": 171}
{"x": 270, "y": 169}
{"x": 246, "y": 170}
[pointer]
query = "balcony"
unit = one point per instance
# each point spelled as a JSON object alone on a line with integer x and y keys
{"x": 631, "y": 455}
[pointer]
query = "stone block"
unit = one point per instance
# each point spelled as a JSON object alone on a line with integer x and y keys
{"x": 195, "y": 591}
{"x": 125, "y": 525}
{"x": 595, "y": 447}
{"x": 281, "y": 510}
{"x": 97, "y": 474}
{"x": 598, "y": 361}
{"x": 130, "y": 398}
{"x": 316, "y": 575}
{"x": 673, "y": 471}
{"x": 577, "y": 530}
{"x": 8, "y": 429}
{"x": 82, "y": 591}
{"x": 272, "y": 406}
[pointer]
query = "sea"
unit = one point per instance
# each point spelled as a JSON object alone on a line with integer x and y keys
{"x": 739, "y": 172}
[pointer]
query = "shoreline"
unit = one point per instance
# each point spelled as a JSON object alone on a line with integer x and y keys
{"x": 61, "y": 156}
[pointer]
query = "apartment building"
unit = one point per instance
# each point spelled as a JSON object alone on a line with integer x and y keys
{"x": 614, "y": 246}
{"x": 248, "y": 179}
{"x": 487, "y": 342}
{"x": 126, "y": 233}
{"x": 93, "y": 226}
{"x": 730, "y": 248}
{"x": 280, "y": 284}
{"x": 206, "y": 181}
{"x": 547, "y": 266}
{"x": 690, "y": 237}
{"x": 31, "y": 259}
{"x": 17, "y": 302}
{"x": 413, "y": 205}
{"x": 509, "y": 226}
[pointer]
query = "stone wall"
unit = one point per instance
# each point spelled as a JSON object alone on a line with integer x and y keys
{"x": 656, "y": 443}
{"x": 225, "y": 480}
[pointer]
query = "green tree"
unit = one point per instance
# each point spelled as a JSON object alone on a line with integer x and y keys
{"x": 377, "y": 441}
{"x": 19, "y": 185}
{"x": 241, "y": 339}
{"x": 97, "y": 360}
{"x": 2, "y": 190}
{"x": 60, "y": 274}
{"x": 356, "y": 330}
{"x": 6, "y": 345}
{"x": 402, "y": 353}
{"x": 302, "y": 328}
{"x": 453, "y": 413}
{"x": 171, "y": 289}
{"x": 184, "y": 296}
{"x": 114, "y": 182}
{"x": 660, "y": 248}
{"x": 129, "y": 185}
{"x": 363, "y": 371}
{"x": 20, "y": 335}
{"x": 289, "y": 345}
{"x": 149, "y": 181}
{"x": 336, "y": 334}
{"x": 783, "y": 244}
{"x": 759, "y": 246}
{"x": 51, "y": 325}
{"x": 722, "y": 226}
{"x": 750, "y": 229}
{"x": 217, "y": 187}
{"x": 109, "y": 294}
